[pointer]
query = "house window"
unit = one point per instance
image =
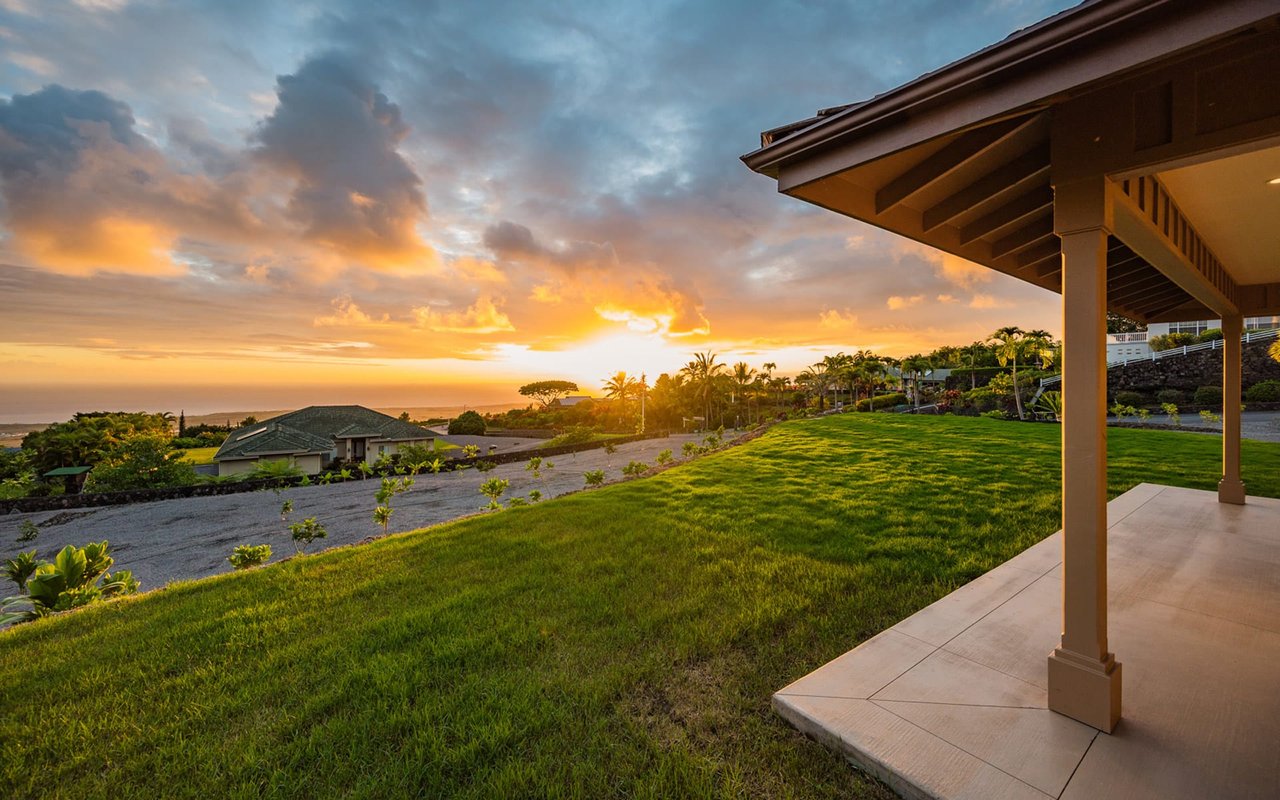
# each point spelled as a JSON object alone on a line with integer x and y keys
{"x": 1194, "y": 328}
{"x": 382, "y": 449}
{"x": 1261, "y": 323}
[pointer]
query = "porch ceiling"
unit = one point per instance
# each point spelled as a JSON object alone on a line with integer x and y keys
{"x": 966, "y": 159}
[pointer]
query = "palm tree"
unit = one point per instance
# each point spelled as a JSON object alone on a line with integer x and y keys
{"x": 837, "y": 367}
{"x": 867, "y": 373}
{"x": 702, "y": 372}
{"x": 619, "y": 387}
{"x": 915, "y": 365}
{"x": 743, "y": 377}
{"x": 1011, "y": 343}
{"x": 815, "y": 379}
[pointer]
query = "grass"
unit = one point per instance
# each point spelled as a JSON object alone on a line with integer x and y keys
{"x": 621, "y": 642}
{"x": 199, "y": 455}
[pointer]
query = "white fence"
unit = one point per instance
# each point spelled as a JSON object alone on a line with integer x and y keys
{"x": 1156, "y": 355}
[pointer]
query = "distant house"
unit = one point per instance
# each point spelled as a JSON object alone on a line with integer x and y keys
{"x": 314, "y": 437}
{"x": 573, "y": 400}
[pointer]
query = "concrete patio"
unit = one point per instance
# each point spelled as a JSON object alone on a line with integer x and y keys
{"x": 952, "y": 701}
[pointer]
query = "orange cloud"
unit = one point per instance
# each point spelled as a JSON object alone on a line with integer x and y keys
{"x": 482, "y": 317}
{"x": 898, "y": 302}
{"x": 109, "y": 244}
{"x": 835, "y": 319}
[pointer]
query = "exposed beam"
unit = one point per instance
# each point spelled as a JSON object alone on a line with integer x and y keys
{"x": 1165, "y": 309}
{"x": 1033, "y": 165}
{"x": 1023, "y": 237}
{"x": 1151, "y": 297}
{"x": 1050, "y": 248}
{"x": 1028, "y": 204}
{"x": 946, "y": 161}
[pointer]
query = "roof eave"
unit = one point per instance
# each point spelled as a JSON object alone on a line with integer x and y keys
{"x": 1090, "y": 19}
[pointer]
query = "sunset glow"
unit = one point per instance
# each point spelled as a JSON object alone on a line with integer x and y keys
{"x": 433, "y": 212}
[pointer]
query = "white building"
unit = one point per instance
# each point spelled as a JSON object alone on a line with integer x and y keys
{"x": 1122, "y": 346}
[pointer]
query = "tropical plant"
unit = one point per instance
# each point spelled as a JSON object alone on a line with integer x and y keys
{"x": 593, "y": 477}
{"x": 468, "y": 423}
{"x": 547, "y": 392}
{"x": 21, "y": 567}
{"x": 1121, "y": 411}
{"x": 382, "y": 516}
{"x": 28, "y": 531}
{"x": 619, "y": 387}
{"x": 365, "y": 469}
{"x": 286, "y": 508}
{"x": 1172, "y": 411}
{"x": 535, "y": 466}
{"x": 516, "y": 501}
{"x": 1050, "y": 403}
{"x": 743, "y": 377}
{"x": 306, "y": 532}
{"x": 386, "y": 493}
{"x": 916, "y": 366}
{"x": 534, "y": 495}
{"x": 493, "y": 489}
{"x": 1013, "y": 346}
{"x": 485, "y": 466}
{"x": 689, "y": 449}
{"x": 140, "y": 462}
{"x": 470, "y": 450}
{"x": 663, "y": 458}
{"x": 279, "y": 469}
{"x": 1210, "y": 418}
{"x": 635, "y": 469}
{"x": 70, "y": 581}
{"x": 245, "y": 556}
{"x": 702, "y": 373}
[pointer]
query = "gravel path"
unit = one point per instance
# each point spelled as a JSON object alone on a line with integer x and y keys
{"x": 191, "y": 537}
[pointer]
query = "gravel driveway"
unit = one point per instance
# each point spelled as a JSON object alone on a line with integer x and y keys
{"x": 191, "y": 537}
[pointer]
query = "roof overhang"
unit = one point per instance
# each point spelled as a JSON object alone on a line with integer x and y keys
{"x": 1177, "y": 104}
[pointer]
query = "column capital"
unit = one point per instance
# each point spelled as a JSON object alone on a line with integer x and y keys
{"x": 1082, "y": 205}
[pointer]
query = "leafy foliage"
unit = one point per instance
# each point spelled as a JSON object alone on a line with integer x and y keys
{"x": 87, "y": 438}
{"x": 1208, "y": 396}
{"x": 140, "y": 462}
{"x": 1263, "y": 392}
{"x": 28, "y": 531}
{"x": 468, "y": 423}
{"x": 547, "y": 392}
{"x": 70, "y": 581}
{"x": 306, "y": 532}
{"x": 278, "y": 469}
{"x": 249, "y": 555}
{"x": 664, "y": 457}
{"x": 635, "y": 469}
{"x": 493, "y": 489}
{"x": 21, "y": 567}
{"x": 593, "y": 477}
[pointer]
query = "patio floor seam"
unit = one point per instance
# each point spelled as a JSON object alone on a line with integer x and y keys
{"x": 1206, "y": 614}
{"x": 961, "y": 749}
{"x": 1083, "y": 756}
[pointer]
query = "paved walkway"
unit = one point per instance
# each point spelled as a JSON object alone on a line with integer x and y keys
{"x": 191, "y": 537}
{"x": 1263, "y": 426}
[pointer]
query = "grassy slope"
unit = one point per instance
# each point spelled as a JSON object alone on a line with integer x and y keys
{"x": 199, "y": 455}
{"x": 615, "y": 643}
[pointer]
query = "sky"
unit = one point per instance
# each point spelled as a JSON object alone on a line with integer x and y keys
{"x": 228, "y": 204}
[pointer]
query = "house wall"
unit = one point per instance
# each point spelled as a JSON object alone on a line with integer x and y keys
{"x": 375, "y": 449}
{"x": 310, "y": 464}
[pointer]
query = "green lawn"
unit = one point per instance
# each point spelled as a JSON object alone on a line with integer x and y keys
{"x": 199, "y": 455}
{"x": 621, "y": 642}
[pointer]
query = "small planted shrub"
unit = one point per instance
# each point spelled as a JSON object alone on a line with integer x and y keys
{"x": 77, "y": 577}
{"x": 1208, "y": 396}
{"x": 485, "y": 466}
{"x": 536, "y": 465}
{"x": 593, "y": 477}
{"x": 1263, "y": 392}
{"x": 689, "y": 449}
{"x": 286, "y": 508}
{"x": 249, "y": 555}
{"x": 468, "y": 423}
{"x": 1050, "y": 403}
{"x": 1170, "y": 396}
{"x": 1121, "y": 411}
{"x": 1144, "y": 415}
{"x": 881, "y": 401}
{"x": 516, "y": 501}
{"x": 664, "y": 458}
{"x": 28, "y": 531}
{"x": 306, "y": 532}
{"x": 995, "y": 414}
{"x": 1133, "y": 399}
{"x": 575, "y": 434}
{"x": 21, "y": 567}
{"x": 1210, "y": 418}
{"x": 635, "y": 469}
{"x": 386, "y": 493}
{"x": 610, "y": 448}
{"x": 470, "y": 450}
{"x": 535, "y": 496}
{"x": 493, "y": 489}
{"x": 275, "y": 470}
{"x": 1172, "y": 411}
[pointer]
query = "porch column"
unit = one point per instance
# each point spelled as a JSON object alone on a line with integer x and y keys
{"x": 1231, "y": 488}
{"x": 1084, "y": 677}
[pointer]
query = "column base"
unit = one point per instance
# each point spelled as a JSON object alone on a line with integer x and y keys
{"x": 1231, "y": 490}
{"x": 1085, "y": 689}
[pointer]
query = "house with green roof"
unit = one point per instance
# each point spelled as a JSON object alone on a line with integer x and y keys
{"x": 314, "y": 437}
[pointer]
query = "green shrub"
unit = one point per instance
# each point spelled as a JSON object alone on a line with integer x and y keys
{"x": 995, "y": 414}
{"x": 276, "y": 470}
{"x": 69, "y": 582}
{"x": 1210, "y": 418}
{"x": 664, "y": 457}
{"x": 534, "y": 496}
{"x": 882, "y": 401}
{"x": 21, "y": 567}
{"x": 690, "y": 449}
{"x": 1208, "y": 396}
{"x": 1134, "y": 399}
{"x": 28, "y": 531}
{"x": 1263, "y": 392}
{"x": 306, "y": 532}
{"x": 1050, "y": 403}
{"x": 595, "y": 477}
{"x": 1172, "y": 411}
{"x": 249, "y": 555}
{"x": 1120, "y": 410}
{"x": 485, "y": 466}
{"x": 468, "y": 423}
{"x": 493, "y": 489}
{"x": 1170, "y": 396}
{"x": 635, "y": 469}
{"x": 575, "y": 434}
{"x": 1210, "y": 335}
{"x": 1171, "y": 340}
{"x": 140, "y": 462}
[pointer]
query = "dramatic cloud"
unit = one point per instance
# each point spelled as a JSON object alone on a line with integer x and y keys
{"x": 336, "y": 136}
